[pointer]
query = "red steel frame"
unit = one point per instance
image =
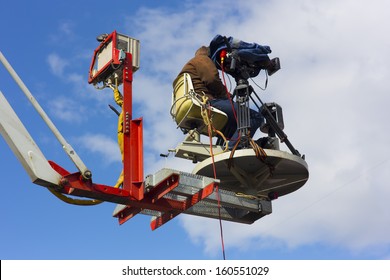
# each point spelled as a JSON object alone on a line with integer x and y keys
{"x": 133, "y": 192}
{"x": 133, "y": 165}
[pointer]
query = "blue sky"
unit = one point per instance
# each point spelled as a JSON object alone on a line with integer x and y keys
{"x": 333, "y": 88}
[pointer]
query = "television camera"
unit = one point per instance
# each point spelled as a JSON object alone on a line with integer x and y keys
{"x": 242, "y": 61}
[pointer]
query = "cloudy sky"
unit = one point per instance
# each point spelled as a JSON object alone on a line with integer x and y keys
{"x": 333, "y": 88}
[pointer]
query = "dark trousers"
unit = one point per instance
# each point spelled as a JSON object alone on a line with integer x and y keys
{"x": 230, "y": 130}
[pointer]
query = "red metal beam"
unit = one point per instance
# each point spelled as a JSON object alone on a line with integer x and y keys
{"x": 132, "y": 138}
{"x": 74, "y": 184}
{"x": 189, "y": 202}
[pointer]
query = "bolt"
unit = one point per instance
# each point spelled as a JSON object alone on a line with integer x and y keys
{"x": 87, "y": 174}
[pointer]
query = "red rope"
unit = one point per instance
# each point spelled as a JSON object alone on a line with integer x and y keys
{"x": 227, "y": 91}
{"x": 217, "y": 192}
{"x": 229, "y": 97}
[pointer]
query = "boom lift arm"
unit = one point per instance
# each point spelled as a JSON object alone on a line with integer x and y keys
{"x": 163, "y": 195}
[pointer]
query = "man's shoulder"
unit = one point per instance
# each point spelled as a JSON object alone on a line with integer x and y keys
{"x": 203, "y": 58}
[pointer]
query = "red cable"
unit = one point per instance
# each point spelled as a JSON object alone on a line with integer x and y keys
{"x": 227, "y": 91}
{"x": 217, "y": 192}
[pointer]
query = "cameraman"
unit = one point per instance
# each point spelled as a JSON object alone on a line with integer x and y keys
{"x": 205, "y": 78}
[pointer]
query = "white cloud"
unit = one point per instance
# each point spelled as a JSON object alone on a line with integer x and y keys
{"x": 65, "y": 32}
{"x": 66, "y": 109}
{"x": 57, "y": 64}
{"x": 102, "y": 145}
{"x": 333, "y": 91}
{"x": 66, "y": 27}
{"x": 72, "y": 105}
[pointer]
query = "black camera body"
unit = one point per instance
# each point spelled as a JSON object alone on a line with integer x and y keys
{"x": 240, "y": 59}
{"x": 239, "y": 68}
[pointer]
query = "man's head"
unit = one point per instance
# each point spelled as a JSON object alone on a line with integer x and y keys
{"x": 203, "y": 51}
